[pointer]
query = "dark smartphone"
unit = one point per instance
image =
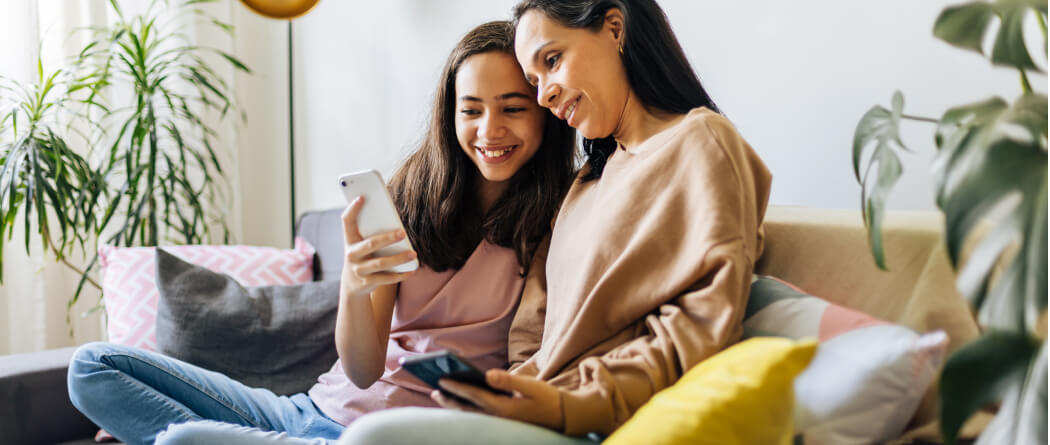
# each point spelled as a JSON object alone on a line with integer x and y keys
{"x": 433, "y": 366}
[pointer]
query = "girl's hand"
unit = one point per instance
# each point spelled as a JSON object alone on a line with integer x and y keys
{"x": 362, "y": 271}
{"x": 534, "y": 401}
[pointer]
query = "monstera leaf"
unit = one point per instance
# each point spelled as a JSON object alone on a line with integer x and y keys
{"x": 996, "y": 366}
{"x": 882, "y": 127}
{"x": 991, "y": 168}
{"x": 965, "y": 26}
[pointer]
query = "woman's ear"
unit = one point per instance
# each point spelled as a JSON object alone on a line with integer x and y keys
{"x": 614, "y": 24}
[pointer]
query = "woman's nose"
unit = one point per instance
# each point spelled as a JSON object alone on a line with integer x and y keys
{"x": 546, "y": 95}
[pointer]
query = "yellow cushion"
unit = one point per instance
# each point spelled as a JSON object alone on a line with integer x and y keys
{"x": 742, "y": 395}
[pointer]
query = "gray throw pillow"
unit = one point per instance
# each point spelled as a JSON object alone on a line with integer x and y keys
{"x": 276, "y": 337}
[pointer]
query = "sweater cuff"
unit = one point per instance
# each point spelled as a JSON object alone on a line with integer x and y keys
{"x": 585, "y": 412}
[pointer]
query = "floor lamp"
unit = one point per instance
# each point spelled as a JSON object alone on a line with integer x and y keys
{"x": 286, "y": 10}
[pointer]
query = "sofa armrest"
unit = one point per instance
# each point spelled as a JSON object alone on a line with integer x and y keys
{"x": 34, "y": 401}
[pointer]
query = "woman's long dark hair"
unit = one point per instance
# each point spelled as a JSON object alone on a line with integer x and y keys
{"x": 657, "y": 69}
{"x": 436, "y": 189}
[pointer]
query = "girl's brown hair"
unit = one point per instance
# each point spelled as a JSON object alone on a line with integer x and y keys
{"x": 435, "y": 189}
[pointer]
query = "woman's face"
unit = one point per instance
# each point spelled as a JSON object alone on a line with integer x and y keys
{"x": 578, "y": 73}
{"x": 498, "y": 124}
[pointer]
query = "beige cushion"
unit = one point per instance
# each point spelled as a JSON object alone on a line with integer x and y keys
{"x": 826, "y": 253}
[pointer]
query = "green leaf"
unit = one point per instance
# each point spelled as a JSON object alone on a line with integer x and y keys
{"x": 980, "y": 373}
{"x": 991, "y": 171}
{"x": 1009, "y": 48}
{"x": 964, "y": 25}
{"x": 879, "y": 127}
{"x": 1021, "y": 418}
{"x": 235, "y": 62}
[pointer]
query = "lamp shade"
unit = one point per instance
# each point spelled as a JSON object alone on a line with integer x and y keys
{"x": 280, "y": 9}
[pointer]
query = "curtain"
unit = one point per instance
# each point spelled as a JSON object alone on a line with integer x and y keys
{"x": 36, "y": 289}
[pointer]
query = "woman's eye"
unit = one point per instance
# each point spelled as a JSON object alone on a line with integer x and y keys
{"x": 470, "y": 112}
{"x": 514, "y": 109}
{"x": 552, "y": 59}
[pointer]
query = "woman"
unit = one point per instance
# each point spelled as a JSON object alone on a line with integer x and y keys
{"x": 476, "y": 198}
{"x": 652, "y": 251}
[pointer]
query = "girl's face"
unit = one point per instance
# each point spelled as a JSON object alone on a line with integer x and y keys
{"x": 578, "y": 73}
{"x": 498, "y": 124}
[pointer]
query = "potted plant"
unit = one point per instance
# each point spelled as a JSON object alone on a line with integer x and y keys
{"x": 152, "y": 173}
{"x": 990, "y": 173}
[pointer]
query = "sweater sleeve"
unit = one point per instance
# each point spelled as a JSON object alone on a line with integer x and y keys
{"x": 683, "y": 332}
{"x": 526, "y": 330}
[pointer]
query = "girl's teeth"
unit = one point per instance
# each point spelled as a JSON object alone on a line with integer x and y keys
{"x": 496, "y": 154}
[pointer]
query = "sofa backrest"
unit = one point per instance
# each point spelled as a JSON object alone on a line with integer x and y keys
{"x": 324, "y": 230}
{"x": 826, "y": 253}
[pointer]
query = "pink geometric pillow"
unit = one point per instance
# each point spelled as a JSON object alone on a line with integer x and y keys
{"x": 129, "y": 285}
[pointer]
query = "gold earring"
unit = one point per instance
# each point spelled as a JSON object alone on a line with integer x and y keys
{"x": 621, "y": 49}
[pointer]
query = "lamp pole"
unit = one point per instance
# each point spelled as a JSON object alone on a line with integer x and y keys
{"x": 291, "y": 134}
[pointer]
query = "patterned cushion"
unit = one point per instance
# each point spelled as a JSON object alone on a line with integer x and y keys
{"x": 129, "y": 285}
{"x": 868, "y": 376}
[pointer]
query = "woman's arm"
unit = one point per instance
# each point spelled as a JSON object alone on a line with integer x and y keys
{"x": 366, "y": 300}
{"x": 526, "y": 330}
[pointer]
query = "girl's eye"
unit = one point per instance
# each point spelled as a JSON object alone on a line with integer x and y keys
{"x": 552, "y": 59}
{"x": 514, "y": 109}
{"x": 470, "y": 112}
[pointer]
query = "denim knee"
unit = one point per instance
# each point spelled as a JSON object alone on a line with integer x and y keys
{"x": 86, "y": 360}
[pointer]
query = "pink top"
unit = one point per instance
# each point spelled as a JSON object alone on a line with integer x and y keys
{"x": 467, "y": 311}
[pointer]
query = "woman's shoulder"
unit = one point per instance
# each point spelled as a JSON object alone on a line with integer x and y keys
{"x": 702, "y": 127}
{"x": 706, "y": 124}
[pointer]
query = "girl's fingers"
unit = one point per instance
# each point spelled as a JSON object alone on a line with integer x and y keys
{"x": 375, "y": 265}
{"x": 381, "y": 278}
{"x": 364, "y": 248}
{"x": 351, "y": 234}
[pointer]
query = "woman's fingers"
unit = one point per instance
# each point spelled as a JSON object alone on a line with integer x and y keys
{"x": 446, "y": 401}
{"x": 351, "y": 234}
{"x": 481, "y": 398}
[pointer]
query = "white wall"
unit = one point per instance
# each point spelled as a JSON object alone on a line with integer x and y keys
{"x": 262, "y": 150}
{"x": 795, "y": 77}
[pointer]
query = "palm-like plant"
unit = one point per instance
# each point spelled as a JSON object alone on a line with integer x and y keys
{"x": 39, "y": 173}
{"x": 163, "y": 158}
{"x": 990, "y": 175}
{"x": 152, "y": 172}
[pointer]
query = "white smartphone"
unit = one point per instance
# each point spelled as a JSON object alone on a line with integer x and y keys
{"x": 378, "y": 215}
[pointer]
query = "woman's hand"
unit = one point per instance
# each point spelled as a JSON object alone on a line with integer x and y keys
{"x": 534, "y": 401}
{"x": 362, "y": 271}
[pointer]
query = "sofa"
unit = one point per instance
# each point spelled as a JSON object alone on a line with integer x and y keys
{"x": 822, "y": 251}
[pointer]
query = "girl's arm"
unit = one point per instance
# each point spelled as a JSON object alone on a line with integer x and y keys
{"x": 367, "y": 293}
{"x": 362, "y": 328}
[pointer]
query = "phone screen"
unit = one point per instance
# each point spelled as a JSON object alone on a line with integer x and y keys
{"x": 443, "y": 364}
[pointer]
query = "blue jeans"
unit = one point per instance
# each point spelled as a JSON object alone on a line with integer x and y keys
{"x": 136, "y": 395}
{"x": 435, "y": 426}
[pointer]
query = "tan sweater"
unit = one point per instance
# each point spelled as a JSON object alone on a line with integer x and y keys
{"x": 647, "y": 271}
